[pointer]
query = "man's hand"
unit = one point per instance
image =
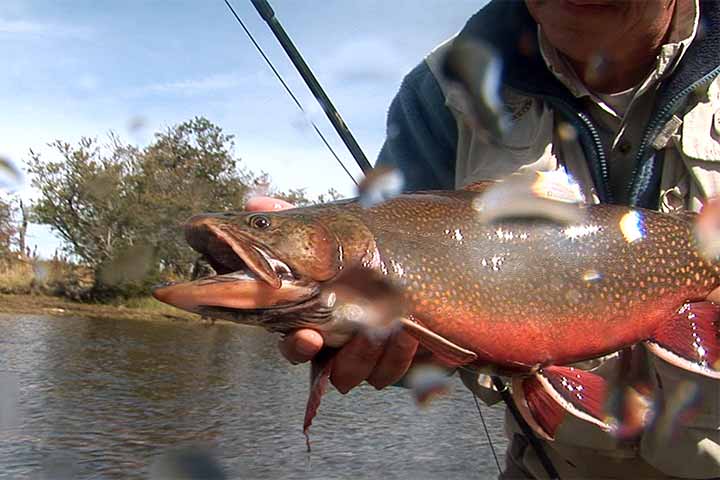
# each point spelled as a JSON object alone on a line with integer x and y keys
{"x": 380, "y": 362}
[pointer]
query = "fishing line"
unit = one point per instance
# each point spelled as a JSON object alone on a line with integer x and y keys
{"x": 287, "y": 89}
{"x": 487, "y": 433}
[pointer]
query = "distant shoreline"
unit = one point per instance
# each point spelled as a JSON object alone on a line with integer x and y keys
{"x": 60, "y": 307}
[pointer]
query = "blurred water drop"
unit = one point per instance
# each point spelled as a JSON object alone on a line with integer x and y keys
{"x": 679, "y": 407}
{"x": 136, "y": 124}
{"x": 305, "y": 120}
{"x": 596, "y": 69}
{"x": 630, "y": 405}
{"x": 41, "y": 272}
{"x": 187, "y": 463}
{"x": 379, "y": 185}
{"x": 702, "y": 29}
{"x": 476, "y": 70}
{"x": 567, "y": 132}
{"x": 629, "y": 412}
{"x": 427, "y": 381}
{"x": 393, "y": 130}
{"x": 10, "y": 175}
{"x": 130, "y": 265}
{"x": 592, "y": 276}
{"x": 707, "y": 229}
{"x": 526, "y": 43}
{"x": 632, "y": 226}
{"x": 301, "y": 122}
{"x": 60, "y": 466}
{"x": 351, "y": 312}
{"x": 573, "y": 296}
{"x": 366, "y": 300}
{"x": 259, "y": 188}
{"x": 550, "y": 195}
{"x": 9, "y": 396}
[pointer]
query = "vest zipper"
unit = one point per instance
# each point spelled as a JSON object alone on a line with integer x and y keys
{"x": 635, "y": 188}
{"x": 580, "y": 120}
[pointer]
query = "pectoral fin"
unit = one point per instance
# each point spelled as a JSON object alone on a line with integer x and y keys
{"x": 691, "y": 339}
{"x": 547, "y": 397}
{"x": 446, "y": 351}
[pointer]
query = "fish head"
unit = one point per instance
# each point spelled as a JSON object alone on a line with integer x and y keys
{"x": 270, "y": 267}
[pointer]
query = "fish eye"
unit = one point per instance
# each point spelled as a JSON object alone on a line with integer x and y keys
{"x": 261, "y": 222}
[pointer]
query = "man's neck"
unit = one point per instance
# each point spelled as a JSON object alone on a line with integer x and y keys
{"x": 610, "y": 74}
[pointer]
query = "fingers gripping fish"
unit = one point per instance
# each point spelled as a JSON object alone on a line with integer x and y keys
{"x": 524, "y": 296}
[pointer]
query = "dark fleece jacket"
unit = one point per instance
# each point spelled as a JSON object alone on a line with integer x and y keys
{"x": 422, "y": 132}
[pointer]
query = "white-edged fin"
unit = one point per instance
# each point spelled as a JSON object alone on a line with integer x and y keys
{"x": 691, "y": 339}
{"x": 550, "y": 195}
{"x": 446, "y": 351}
{"x": 546, "y": 398}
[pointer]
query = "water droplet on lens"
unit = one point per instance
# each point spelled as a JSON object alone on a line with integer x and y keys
{"x": 10, "y": 175}
{"x": 128, "y": 266}
{"x": 9, "y": 396}
{"x": 592, "y": 276}
{"x": 136, "y": 124}
{"x": 567, "y": 132}
{"x": 632, "y": 226}
{"x": 548, "y": 195}
{"x": 707, "y": 229}
{"x": 573, "y": 296}
{"x": 380, "y": 185}
{"x": 596, "y": 69}
{"x": 41, "y": 272}
{"x": 351, "y": 312}
{"x": 367, "y": 300}
{"x": 392, "y": 131}
{"x": 475, "y": 70}
{"x": 60, "y": 466}
{"x": 680, "y": 406}
{"x": 187, "y": 463}
{"x": 427, "y": 381}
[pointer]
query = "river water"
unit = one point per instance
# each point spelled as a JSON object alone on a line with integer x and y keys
{"x": 135, "y": 399}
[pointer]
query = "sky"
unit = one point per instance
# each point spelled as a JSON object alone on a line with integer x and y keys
{"x": 78, "y": 68}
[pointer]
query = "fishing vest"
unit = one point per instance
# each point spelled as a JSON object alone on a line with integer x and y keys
{"x": 678, "y": 165}
{"x": 689, "y": 143}
{"x": 678, "y": 168}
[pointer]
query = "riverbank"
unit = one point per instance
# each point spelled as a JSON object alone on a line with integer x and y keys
{"x": 143, "y": 309}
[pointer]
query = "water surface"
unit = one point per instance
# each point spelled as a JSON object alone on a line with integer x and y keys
{"x": 108, "y": 399}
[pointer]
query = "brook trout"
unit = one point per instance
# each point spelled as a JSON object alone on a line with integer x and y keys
{"x": 523, "y": 295}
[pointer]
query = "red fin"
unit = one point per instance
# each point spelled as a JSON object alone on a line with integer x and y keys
{"x": 548, "y": 396}
{"x": 319, "y": 376}
{"x": 691, "y": 339}
{"x": 480, "y": 186}
{"x": 446, "y": 351}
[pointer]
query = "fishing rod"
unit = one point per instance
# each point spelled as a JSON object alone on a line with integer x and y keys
{"x": 287, "y": 89}
{"x": 267, "y": 14}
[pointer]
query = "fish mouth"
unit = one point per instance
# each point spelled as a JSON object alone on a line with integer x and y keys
{"x": 247, "y": 279}
{"x": 227, "y": 251}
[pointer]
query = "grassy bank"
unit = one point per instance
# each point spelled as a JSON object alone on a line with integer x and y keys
{"x": 136, "y": 309}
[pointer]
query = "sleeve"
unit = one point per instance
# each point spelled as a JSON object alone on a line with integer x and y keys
{"x": 421, "y": 138}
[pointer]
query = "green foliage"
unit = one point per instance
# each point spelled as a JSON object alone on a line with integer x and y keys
{"x": 85, "y": 198}
{"x": 120, "y": 209}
